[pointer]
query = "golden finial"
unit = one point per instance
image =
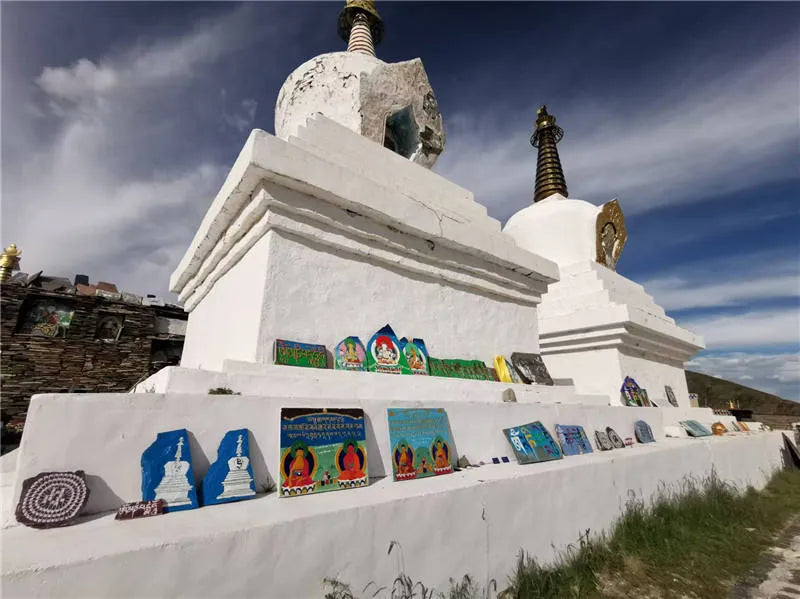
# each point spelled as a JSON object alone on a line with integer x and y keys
{"x": 370, "y": 32}
{"x": 549, "y": 175}
{"x": 9, "y": 261}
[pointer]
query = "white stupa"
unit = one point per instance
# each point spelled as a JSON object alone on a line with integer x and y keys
{"x": 175, "y": 486}
{"x": 237, "y": 482}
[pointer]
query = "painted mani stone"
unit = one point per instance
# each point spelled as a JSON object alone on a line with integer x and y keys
{"x": 322, "y": 449}
{"x": 350, "y": 354}
{"x": 603, "y": 442}
{"x": 532, "y": 442}
{"x": 384, "y": 354}
{"x": 695, "y": 429}
{"x": 140, "y": 509}
{"x": 167, "y": 472}
{"x": 420, "y": 442}
{"x": 230, "y": 478}
{"x": 52, "y": 499}
{"x": 506, "y": 373}
{"x": 670, "y": 396}
{"x": 294, "y": 353}
{"x": 459, "y": 369}
{"x": 573, "y": 439}
{"x": 644, "y": 434}
{"x": 416, "y": 355}
{"x": 531, "y": 368}
{"x": 633, "y": 394}
{"x": 615, "y": 439}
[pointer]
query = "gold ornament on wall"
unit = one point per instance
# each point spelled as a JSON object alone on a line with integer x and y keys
{"x": 611, "y": 234}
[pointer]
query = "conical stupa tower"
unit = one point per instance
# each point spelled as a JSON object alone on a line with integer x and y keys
{"x": 361, "y": 26}
{"x": 549, "y": 174}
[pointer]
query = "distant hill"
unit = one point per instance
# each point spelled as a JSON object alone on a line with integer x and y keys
{"x": 716, "y": 393}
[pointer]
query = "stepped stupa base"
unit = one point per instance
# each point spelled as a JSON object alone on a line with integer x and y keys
{"x": 494, "y": 510}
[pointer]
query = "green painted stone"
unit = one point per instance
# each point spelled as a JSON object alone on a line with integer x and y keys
{"x": 307, "y": 355}
{"x": 459, "y": 369}
{"x": 384, "y": 353}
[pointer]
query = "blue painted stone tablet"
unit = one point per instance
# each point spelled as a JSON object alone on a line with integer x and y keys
{"x": 695, "y": 429}
{"x": 644, "y": 434}
{"x": 573, "y": 439}
{"x": 532, "y": 443}
{"x": 167, "y": 472}
{"x": 230, "y": 478}
{"x": 420, "y": 442}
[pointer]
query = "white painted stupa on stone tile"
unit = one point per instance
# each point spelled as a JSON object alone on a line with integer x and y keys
{"x": 174, "y": 487}
{"x": 334, "y": 227}
{"x": 237, "y": 482}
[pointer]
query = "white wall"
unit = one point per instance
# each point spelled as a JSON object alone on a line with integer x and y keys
{"x": 225, "y": 324}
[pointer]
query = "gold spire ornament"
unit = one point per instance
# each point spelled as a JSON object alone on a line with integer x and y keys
{"x": 549, "y": 175}
{"x": 610, "y": 234}
{"x": 9, "y": 261}
{"x": 361, "y": 26}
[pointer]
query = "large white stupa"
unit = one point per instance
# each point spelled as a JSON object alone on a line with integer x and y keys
{"x": 330, "y": 228}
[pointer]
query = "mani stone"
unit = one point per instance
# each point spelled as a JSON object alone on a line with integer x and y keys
{"x": 230, "y": 478}
{"x": 140, "y": 509}
{"x": 644, "y": 434}
{"x": 350, "y": 354}
{"x": 294, "y": 353}
{"x": 384, "y": 353}
{"x": 531, "y": 368}
{"x": 52, "y": 499}
{"x": 167, "y": 471}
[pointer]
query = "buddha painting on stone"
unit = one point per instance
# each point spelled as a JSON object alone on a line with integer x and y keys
{"x": 322, "y": 450}
{"x": 420, "y": 441}
{"x": 611, "y": 234}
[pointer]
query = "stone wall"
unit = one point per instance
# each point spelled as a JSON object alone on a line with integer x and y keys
{"x": 77, "y": 358}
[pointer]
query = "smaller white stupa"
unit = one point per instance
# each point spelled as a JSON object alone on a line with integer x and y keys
{"x": 595, "y": 326}
{"x": 237, "y": 481}
{"x": 175, "y": 486}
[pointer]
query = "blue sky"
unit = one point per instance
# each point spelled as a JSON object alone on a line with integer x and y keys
{"x": 120, "y": 120}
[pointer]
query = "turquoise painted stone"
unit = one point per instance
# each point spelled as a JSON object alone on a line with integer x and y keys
{"x": 230, "y": 478}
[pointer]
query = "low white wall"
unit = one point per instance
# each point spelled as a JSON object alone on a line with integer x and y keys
{"x": 105, "y": 434}
{"x": 474, "y": 521}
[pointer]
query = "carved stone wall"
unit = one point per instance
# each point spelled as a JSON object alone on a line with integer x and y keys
{"x": 106, "y": 345}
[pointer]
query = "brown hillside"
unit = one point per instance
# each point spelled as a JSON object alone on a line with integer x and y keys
{"x": 716, "y": 393}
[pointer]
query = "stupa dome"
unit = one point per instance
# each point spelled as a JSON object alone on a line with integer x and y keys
{"x": 392, "y": 104}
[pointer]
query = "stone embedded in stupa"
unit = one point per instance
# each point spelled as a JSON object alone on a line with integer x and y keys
{"x": 392, "y": 104}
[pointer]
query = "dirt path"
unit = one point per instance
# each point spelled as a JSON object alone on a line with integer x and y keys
{"x": 777, "y": 575}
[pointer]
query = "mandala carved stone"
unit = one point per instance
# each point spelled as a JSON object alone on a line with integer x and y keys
{"x": 611, "y": 234}
{"x": 52, "y": 499}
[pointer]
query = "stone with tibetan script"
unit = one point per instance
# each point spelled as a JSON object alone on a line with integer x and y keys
{"x": 416, "y": 355}
{"x": 573, "y": 439}
{"x": 532, "y": 442}
{"x": 459, "y": 369}
{"x": 322, "y": 449}
{"x": 294, "y": 353}
{"x": 140, "y": 509}
{"x": 350, "y": 354}
{"x": 384, "y": 354}
{"x": 52, "y": 499}
{"x": 670, "y": 396}
{"x": 531, "y": 368}
{"x": 603, "y": 442}
{"x": 167, "y": 471}
{"x": 420, "y": 442}
{"x": 695, "y": 429}
{"x": 230, "y": 478}
{"x": 615, "y": 439}
{"x": 644, "y": 434}
{"x": 506, "y": 373}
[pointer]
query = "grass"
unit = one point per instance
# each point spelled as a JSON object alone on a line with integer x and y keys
{"x": 695, "y": 541}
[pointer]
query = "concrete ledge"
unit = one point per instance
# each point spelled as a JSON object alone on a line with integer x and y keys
{"x": 474, "y": 521}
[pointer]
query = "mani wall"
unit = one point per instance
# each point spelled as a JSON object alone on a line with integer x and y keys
{"x": 63, "y": 341}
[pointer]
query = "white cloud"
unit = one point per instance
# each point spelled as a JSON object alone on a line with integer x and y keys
{"x": 242, "y": 119}
{"x": 686, "y": 142}
{"x": 757, "y": 328}
{"x": 102, "y": 195}
{"x": 773, "y": 373}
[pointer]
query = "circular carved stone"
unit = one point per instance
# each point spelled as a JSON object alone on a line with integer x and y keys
{"x": 52, "y": 499}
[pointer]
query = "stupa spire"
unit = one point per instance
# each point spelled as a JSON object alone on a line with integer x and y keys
{"x": 9, "y": 262}
{"x": 361, "y": 26}
{"x": 549, "y": 175}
